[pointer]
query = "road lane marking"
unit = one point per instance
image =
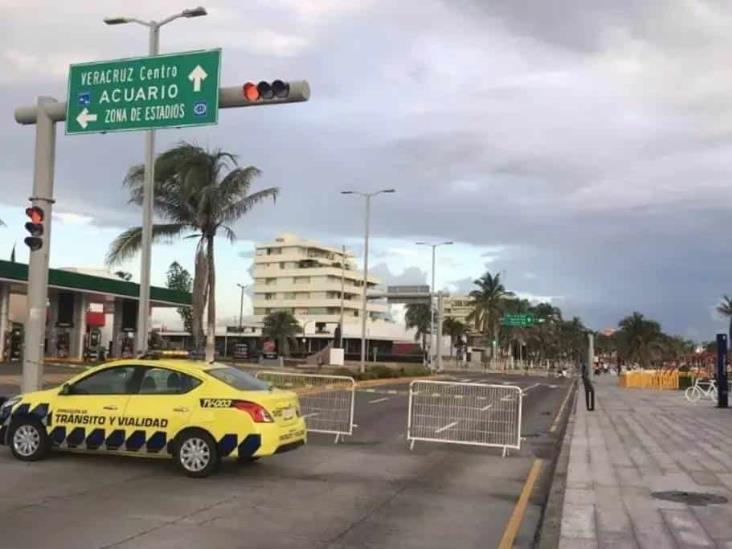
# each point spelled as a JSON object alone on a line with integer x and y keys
{"x": 555, "y": 423}
{"x": 530, "y": 387}
{"x": 514, "y": 523}
{"x": 484, "y": 408}
{"x": 378, "y": 400}
{"x": 465, "y": 380}
{"x": 446, "y": 427}
{"x": 310, "y": 415}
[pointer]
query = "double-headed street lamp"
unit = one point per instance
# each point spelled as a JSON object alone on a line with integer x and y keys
{"x": 432, "y": 291}
{"x": 367, "y": 196}
{"x": 148, "y": 188}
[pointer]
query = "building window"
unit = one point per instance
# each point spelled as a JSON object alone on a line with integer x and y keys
{"x": 259, "y": 311}
{"x": 271, "y": 281}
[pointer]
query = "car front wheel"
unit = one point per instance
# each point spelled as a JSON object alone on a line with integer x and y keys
{"x": 197, "y": 454}
{"x": 28, "y": 440}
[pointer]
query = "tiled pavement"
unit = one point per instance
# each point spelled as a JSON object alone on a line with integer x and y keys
{"x": 638, "y": 442}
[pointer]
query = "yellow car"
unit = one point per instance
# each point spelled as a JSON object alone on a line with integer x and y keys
{"x": 196, "y": 412}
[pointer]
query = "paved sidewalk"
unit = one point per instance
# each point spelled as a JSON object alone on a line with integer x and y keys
{"x": 638, "y": 442}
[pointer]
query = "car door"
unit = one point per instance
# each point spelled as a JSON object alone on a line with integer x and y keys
{"x": 161, "y": 407}
{"x": 85, "y": 413}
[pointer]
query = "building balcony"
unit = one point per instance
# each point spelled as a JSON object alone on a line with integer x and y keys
{"x": 349, "y": 305}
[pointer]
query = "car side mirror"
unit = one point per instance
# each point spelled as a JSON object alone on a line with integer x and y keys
{"x": 65, "y": 389}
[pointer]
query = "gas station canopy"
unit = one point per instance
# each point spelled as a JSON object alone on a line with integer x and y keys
{"x": 99, "y": 288}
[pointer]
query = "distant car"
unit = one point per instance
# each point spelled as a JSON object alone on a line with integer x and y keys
{"x": 195, "y": 412}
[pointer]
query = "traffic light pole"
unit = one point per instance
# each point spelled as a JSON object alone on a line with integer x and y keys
{"x": 44, "y": 115}
{"x": 35, "y": 325}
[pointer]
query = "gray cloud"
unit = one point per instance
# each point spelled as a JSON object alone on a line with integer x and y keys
{"x": 587, "y": 143}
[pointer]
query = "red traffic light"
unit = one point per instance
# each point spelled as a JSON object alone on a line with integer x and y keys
{"x": 250, "y": 91}
{"x": 266, "y": 91}
{"x": 34, "y": 227}
{"x": 35, "y": 213}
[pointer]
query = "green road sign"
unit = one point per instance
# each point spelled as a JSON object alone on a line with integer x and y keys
{"x": 522, "y": 320}
{"x": 179, "y": 89}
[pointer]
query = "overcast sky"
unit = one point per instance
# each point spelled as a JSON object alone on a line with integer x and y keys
{"x": 581, "y": 148}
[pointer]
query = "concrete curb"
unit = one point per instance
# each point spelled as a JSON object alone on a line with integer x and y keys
{"x": 549, "y": 530}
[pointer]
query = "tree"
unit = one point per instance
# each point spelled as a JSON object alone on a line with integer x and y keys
{"x": 725, "y": 308}
{"x": 281, "y": 326}
{"x": 641, "y": 339}
{"x": 455, "y": 329}
{"x": 199, "y": 194}
{"x": 573, "y": 339}
{"x": 419, "y": 316}
{"x": 180, "y": 279}
{"x": 489, "y": 302}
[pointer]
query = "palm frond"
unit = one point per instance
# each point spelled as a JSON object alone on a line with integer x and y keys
{"x": 129, "y": 242}
{"x": 234, "y": 211}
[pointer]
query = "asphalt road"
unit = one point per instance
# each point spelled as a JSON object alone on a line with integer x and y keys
{"x": 368, "y": 491}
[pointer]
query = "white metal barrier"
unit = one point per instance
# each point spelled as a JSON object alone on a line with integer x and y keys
{"x": 465, "y": 413}
{"x": 326, "y": 402}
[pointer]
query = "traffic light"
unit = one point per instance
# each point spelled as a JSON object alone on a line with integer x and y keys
{"x": 277, "y": 91}
{"x": 34, "y": 227}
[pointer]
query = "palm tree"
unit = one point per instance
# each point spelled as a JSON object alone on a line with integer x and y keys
{"x": 572, "y": 334}
{"x": 725, "y": 308}
{"x": 455, "y": 329}
{"x": 281, "y": 326}
{"x": 489, "y": 302}
{"x": 199, "y": 194}
{"x": 641, "y": 339}
{"x": 419, "y": 316}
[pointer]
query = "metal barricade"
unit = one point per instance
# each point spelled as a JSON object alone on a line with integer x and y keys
{"x": 475, "y": 414}
{"x": 326, "y": 402}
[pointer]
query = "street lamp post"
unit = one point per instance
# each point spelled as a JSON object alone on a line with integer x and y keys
{"x": 148, "y": 186}
{"x": 367, "y": 196}
{"x": 241, "y": 305}
{"x": 432, "y": 291}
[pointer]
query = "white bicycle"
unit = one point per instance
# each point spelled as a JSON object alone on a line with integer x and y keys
{"x": 702, "y": 389}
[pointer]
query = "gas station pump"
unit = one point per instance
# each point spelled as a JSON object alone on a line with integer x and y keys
{"x": 14, "y": 344}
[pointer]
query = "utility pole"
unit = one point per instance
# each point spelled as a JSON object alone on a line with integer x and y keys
{"x": 143, "y": 310}
{"x": 343, "y": 287}
{"x": 368, "y": 197}
{"x": 591, "y": 355}
{"x": 241, "y": 306}
{"x": 438, "y": 346}
{"x": 432, "y": 290}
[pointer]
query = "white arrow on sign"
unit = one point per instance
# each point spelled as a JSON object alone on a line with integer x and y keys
{"x": 85, "y": 117}
{"x": 197, "y": 76}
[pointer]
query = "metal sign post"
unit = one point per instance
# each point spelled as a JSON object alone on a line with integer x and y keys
{"x": 722, "y": 383}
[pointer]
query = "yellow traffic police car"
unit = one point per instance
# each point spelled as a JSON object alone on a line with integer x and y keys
{"x": 196, "y": 412}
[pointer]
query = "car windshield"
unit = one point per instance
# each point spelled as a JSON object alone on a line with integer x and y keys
{"x": 237, "y": 379}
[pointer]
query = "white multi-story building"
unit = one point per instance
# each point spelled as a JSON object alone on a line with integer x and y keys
{"x": 312, "y": 281}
